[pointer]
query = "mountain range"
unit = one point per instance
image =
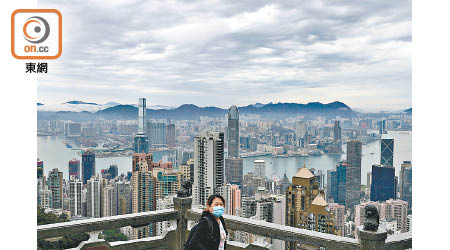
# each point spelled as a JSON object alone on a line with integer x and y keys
{"x": 193, "y": 112}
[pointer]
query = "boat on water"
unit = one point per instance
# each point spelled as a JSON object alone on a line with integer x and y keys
{"x": 68, "y": 145}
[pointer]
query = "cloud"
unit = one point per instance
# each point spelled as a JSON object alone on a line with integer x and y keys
{"x": 218, "y": 53}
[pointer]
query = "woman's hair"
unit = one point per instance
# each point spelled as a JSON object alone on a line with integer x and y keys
{"x": 212, "y": 197}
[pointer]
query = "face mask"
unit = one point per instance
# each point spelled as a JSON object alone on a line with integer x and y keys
{"x": 218, "y": 211}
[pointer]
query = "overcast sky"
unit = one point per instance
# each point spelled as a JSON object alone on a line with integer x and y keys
{"x": 219, "y": 53}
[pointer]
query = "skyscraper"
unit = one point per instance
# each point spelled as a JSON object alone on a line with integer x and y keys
{"x": 122, "y": 201}
{"x": 233, "y": 164}
{"x": 170, "y": 135}
{"x": 306, "y": 206}
{"x": 40, "y": 168}
{"x": 157, "y": 134}
{"x": 74, "y": 168}
{"x": 143, "y": 191}
{"x": 387, "y": 151}
{"x": 233, "y": 131}
{"x": 88, "y": 163}
{"x": 259, "y": 168}
{"x": 93, "y": 197}
{"x": 406, "y": 183}
{"x": 353, "y": 174}
{"x": 339, "y": 217}
{"x": 382, "y": 127}
{"x": 141, "y": 139}
{"x": 208, "y": 166}
{"x": 55, "y": 184}
{"x": 107, "y": 199}
{"x": 75, "y": 187}
{"x": 337, "y": 131}
{"x": 383, "y": 183}
{"x": 142, "y": 109}
{"x": 232, "y": 194}
{"x": 234, "y": 170}
{"x": 45, "y": 197}
{"x": 337, "y": 183}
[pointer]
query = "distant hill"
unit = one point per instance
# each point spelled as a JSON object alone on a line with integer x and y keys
{"x": 408, "y": 111}
{"x": 40, "y": 104}
{"x": 193, "y": 112}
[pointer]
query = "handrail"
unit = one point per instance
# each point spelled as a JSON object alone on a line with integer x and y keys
{"x": 183, "y": 212}
{"x": 98, "y": 224}
{"x": 282, "y": 232}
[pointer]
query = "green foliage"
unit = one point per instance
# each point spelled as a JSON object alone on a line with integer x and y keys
{"x": 49, "y": 218}
{"x": 68, "y": 241}
{"x": 112, "y": 235}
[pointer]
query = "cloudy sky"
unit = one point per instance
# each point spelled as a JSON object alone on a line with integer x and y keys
{"x": 219, "y": 53}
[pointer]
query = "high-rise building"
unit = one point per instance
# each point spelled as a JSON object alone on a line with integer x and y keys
{"x": 164, "y": 203}
{"x": 143, "y": 191}
{"x": 331, "y": 185}
{"x": 233, "y": 163}
{"x": 88, "y": 164}
{"x": 337, "y": 134}
{"x": 122, "y": 200}
{"x": 233, "y": 131}
{"x": 40, "y": 168}
{"x": 339, "y": 217}
{"x": 157, "y": 134}
{"x": 142, "y": 115}
{"x": 406, "y": 183}
{"x": 353, "y": 174}
{"x": 387, "y": 151}
{"x": 141, "y": 139}
{"x": 234, "y": 170}
{"x": 382, "y": 127}
{"x": 140, "y": 143}
{"x": 383, "y": 183}
{"x": 107, "y": 199}
{"x": 387, "y": 210}
{"x": 398, "y": 210}
{"x": 75, "y": 188}
{"x": 73, "y": 129}
{"x": 167, "y": 183}
{"x": 248, "y": 206}
{"x": 93, "y": 197}
{"x": 306, "y": 206}
{"x": 259, "y": 168}
{"x": 369, "y": 179}
{"x": 337, "y": 183}
{"x": 45, "y": 197}
{"x": 170, "y": 135}
{"x": 55, "y": 184}
{"x": 360, "y": 214}
{"x": 232, "y": 194}
{"x": 208, "y": 165}
{"x": 74, "y": 169}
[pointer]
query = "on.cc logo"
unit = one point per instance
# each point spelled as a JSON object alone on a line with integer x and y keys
{"x": 36, "y": 29}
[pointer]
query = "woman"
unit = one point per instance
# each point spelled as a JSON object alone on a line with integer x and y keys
{"x": 203, "y": 238}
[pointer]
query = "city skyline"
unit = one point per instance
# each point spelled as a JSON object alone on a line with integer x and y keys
{"x": 243, "y": 52}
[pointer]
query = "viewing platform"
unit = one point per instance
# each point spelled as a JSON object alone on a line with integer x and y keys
{"x": 183, "y": 214}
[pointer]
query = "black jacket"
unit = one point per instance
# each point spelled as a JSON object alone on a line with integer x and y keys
{"x": 200, "y": 239}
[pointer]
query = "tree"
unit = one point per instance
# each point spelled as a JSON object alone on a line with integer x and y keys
{"x": 68, "y": 241}
{"x": 112, "y": 235}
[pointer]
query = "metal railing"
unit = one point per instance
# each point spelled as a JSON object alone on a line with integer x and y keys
{"x": 174, "y": 238}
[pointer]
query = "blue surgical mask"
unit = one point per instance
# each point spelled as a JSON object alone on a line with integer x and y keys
{"x": 218, "y": 211}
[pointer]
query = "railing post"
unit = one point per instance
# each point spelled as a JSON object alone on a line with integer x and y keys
{"x": 372, "y": 240}
{"x": 181, "y": 204}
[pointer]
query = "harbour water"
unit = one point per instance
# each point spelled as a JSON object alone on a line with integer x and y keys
{"x": 55, "y": 154}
